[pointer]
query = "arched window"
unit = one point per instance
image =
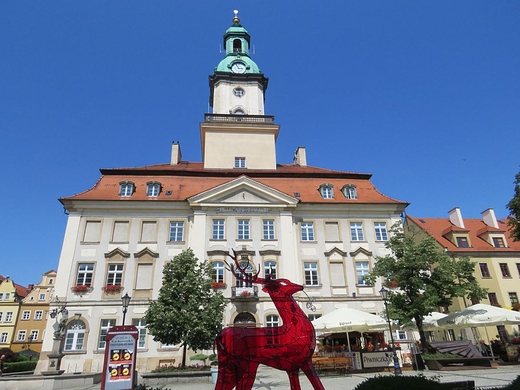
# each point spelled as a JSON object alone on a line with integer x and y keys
{"x": 75, "y": 337}
{"x": 237, "y": 45}
{"x": 244, "y": 318}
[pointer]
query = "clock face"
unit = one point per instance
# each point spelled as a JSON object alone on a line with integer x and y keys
{"x": 238, "y": 67}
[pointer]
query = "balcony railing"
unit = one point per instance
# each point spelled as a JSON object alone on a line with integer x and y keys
{"x": 239, "y": 118}
{"x": 244, "y": 293}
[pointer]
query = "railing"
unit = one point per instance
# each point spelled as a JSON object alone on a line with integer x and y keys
{"x": 239, "y": 118}
{"x": 244, "y": 292}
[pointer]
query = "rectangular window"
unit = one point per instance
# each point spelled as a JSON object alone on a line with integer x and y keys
{"x": 149, "y": 231}
{"x": 21, "y": 335}
{"x": 356, "y": 231}
{"x": 38, "y": 314}
{"x": 144, "y": 276}
{"x": 120, "y": 233}
{"x": 85, "y": 272}
{"x": 141, "y": 327}
{"x": 380, "y": 228}
{"x": 313, "y": 317}
{"x": 176, "y": 231}
{"x": 513, "y": 297}
{"x": 218, "y": 229}
{"x": 270, "y": 270}
{"x": 331, "y": 231}
{"x": 9, "y": 316}
{"x": 26, "y": 315}
{"x": 362, "y": 270}
{"x": 399, "y": 334}
{"x": 115, "y": 274}
{"x": 1, "y": 296}
{"x": 268, "y": 229}
{"x": 243, "y": 229}
{"x": 505, "y": 270}
{"x": 1, "y": 315}
{"x": 153, "y": 189}
{"x": 307, "y": 231}
{"x": 498, "y": 242}
{"x": 311, "y": 274}
{"x": 33, "y": 336}
{"x": 92, "y": 231}
{"x": 240, "y": 162}
{"x": 326, "y": 192}
{"x": 126, "y": 189}
{"x": 493, "y": 300}
{"x": 3, "y": 338}
{"x": 7, "y": 296}
{"x": 103, "y": 329}
{"x": 484, "y": 270}
{"x": 41, "y": 297}
{"x": 462, "y": 242}
{"x": 218, "y": 272}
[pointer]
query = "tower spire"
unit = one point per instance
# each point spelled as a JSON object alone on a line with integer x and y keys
{"x": 236, "y": 20}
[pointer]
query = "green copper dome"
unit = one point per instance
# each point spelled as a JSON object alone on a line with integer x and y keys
{"x": 236, "y": 42}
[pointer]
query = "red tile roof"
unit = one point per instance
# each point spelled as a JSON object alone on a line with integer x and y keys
{"x": 188, "y": 179}
{"x": 20, "y": 290}
{"x": 438, "y": 227}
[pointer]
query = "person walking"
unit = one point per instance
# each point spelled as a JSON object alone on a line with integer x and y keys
{"x": 2, "y": 358}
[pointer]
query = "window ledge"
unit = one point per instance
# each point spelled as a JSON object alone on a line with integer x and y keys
{"x": 173, "y": 242}
{"x": 79, "y": 352}
{"x": 313, "y": 285}
{"x": 309, "y": 242}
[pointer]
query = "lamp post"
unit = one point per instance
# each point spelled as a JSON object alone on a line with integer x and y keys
{"x": 126, "y": 301}
{"x": 397, "y": 367}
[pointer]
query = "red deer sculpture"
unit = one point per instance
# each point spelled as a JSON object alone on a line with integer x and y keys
{"x": 288, "y": 348}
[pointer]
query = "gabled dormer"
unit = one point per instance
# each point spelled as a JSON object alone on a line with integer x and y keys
{"x": 492, "y": 233}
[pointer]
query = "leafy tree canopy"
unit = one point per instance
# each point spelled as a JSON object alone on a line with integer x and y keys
{"x": 423, "y": 275}
{"x": 514, "y": 211}
{"x": 188, "y": 311}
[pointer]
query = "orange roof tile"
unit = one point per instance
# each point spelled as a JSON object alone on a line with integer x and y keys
{"x": 438, "y": 227}
{"x": 188, "y": 179}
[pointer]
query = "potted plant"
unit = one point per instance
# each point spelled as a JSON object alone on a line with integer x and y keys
{"x": 112, "y": 288}
{"x": 218, "y": 285}
{"x": 81, "y": 289}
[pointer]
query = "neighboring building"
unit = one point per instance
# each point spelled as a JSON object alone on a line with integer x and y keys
{"x": 11, "y": 295}
{"x": 486, "y": 241}
{"x": 30, "y": 327}
{"x": 315, "y": 226}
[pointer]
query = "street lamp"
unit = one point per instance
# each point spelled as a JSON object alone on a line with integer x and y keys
{"x": 126, "y": 301}
{"x": 384, "y": 295}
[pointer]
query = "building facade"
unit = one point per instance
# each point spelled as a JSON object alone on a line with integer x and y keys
{"x": 30, "y": 326}
{"x": 11, "y": 296}
{"x": 317, "y": 227}
{"x": 486, "y": 241}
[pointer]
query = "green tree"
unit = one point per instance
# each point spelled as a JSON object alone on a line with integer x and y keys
{"x": 424, "y": 276}
{"x": 188, "y": 311}
{"x": 514, "y": 211}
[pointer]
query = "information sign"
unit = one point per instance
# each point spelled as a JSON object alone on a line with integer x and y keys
{"x": 120, "y": 357}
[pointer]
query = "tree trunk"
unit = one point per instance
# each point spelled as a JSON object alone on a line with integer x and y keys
{"x": 183, "y": 355}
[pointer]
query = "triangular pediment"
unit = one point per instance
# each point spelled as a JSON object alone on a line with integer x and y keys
{"x": 117, "y": 252}
{"x": 146, "y": 252}
{"x": 335, "y": 251}
{"x": 361, "y": 250}
{"x": 243, "y": 192}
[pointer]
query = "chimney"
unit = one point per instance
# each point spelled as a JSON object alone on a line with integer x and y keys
{"x": 300, "y": 157}
{"x": 176, "y": 153}
{"x": 489, "y": 218}
{"x": 30, "y": 287}
{"x": 456, "y": 217}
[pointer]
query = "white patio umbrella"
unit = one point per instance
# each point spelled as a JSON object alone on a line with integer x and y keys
{"x": 349, "y": 320}
{"x": 430, "y": 322}
{"x": 480, "y": 315}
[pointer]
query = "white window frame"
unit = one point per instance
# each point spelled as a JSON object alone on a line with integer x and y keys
{"x": 1, "y": 296}
{"x": 33, "y": 336}
{"x": 243, "y": 231}
{"x": 240, "y": 162}
{"x": 75, "y": 336}
{"x": 41, "y": 297}
{"x": 307, "y": 231}
{"x": 218, "y": 229}
{"x": 26, "y": 315}
{"x": 176, "y": 231}
{"x": 114, "y": 274}
{"x": 85, "y": 274}
{"x": 104, "y": 326}
{"x": 140, "y": 324}
{"x": 327, "y": 191}
{"x": 349, "y": 191}
{"x": 399, "y": 335}
{"x": 270, "y": 269}
{"x": 21, "y": 335}
{"x": 361, "y": 271}
{"x": 218, "y": 267}
{"x": 7, "y": 296}
{"x": 3, "y": 338}
{"x": 381, "y": 232}
{"x": 268, "y": 229}
{"x": 9, "y": 316}
{"x": 272, "y": 321}
{"x": 38, "y": 315}
{"x": 153, "y": 189}
{"x": 126, "y": 189}
{"x": 356, "y": 231}
{"x": 311, "y": 273}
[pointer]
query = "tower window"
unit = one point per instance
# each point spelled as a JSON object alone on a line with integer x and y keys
{"x": 239, "y": 92}
{"x": 237, "y": 46}
{"x": 240, "y": 162}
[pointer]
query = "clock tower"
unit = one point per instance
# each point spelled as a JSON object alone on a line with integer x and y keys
{"x": 238, "y": 134}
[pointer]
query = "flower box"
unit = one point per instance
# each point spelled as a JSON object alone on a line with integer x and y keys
{"x": 81, "y": 289}
{"x": 218, "y": 285}
{"x": 112, "y": 288}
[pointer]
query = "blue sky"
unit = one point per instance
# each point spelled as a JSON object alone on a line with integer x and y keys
{"x": 425, "y": 95}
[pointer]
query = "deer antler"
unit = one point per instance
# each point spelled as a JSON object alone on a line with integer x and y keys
{"x": 242, "y": 270}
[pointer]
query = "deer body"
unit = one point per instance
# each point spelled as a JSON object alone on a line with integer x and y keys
{"x": 288, "y": 347}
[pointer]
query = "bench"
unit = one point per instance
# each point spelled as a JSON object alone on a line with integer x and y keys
{"x": 451, "y": 364}
{"x": 331, "y": 365}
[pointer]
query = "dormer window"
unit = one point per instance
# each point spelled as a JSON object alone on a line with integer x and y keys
{"x": 498, "y": 242}
{"x": 126, "y": 188}
{"x": 462, "y": 242}
{"x": 349, "y": 191}
{"x": 326, "y": 191}
{"x": 240, "y": 162}
{"x": 153, "y": 188}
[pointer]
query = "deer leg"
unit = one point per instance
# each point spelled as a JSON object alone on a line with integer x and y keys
{"x": 247, "y": 380}
{"x": 294, "y": 380}
{"x": 310, "y": 372}
{"x": 226, "y": 378}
